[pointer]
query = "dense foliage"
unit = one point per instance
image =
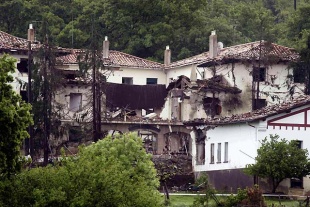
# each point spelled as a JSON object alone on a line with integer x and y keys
{"x": 279, "y": 159}
{"x": 145, "y": 27}
{"x": 14, "y": 119}
{"x": 111, "y": 172}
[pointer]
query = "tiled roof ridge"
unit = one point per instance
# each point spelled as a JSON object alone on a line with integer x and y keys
{"x": 12, "y": 36}
{"x": 133, "y": 56}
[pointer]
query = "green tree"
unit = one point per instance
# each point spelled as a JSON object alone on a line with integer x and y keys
{"x": 15, "y": 117}
{"x": 111, "y": 172}
{"x": 279, "y": 159}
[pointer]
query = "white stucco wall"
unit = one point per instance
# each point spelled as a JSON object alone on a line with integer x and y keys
{"x": 269, "y": 89}
{"x": 242, "y": 145}
{"x": 139, "y": 75}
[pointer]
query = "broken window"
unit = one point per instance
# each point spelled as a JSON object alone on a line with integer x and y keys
{"x": 75, "y": 134}
{"x": 22, "y": 66}
{"x": 226, "y": 152}
{"x": 219, "y": 153}
{"x": 200, "y": 147}
{"x": 149, "y": 141}
{"x": 150, "y": 81}
{"x": 212, "y": 106}
{"x": 298, "y": 181}
{"x": 176, "y": 143}
{"x": 299, "y": 75}
{"x": 259, "y": 103}
{"x": 259, "y": 74}
{"x": 75, "y": 102}
{"x": 127, "y": 80}
{"x": 212, "y": 154}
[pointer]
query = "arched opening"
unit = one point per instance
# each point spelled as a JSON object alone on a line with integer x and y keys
{"x": 177, "y": 143}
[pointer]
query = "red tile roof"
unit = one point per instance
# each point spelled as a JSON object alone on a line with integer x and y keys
{"x": 10, "y": 42}
{"x": 248, "y": 51}
{"x": 116, "y": 58}
{"x": 254, "y": 115}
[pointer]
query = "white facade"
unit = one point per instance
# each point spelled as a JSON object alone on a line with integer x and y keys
{"x": 243, "y": 139}
{"x": 139, "y": 75}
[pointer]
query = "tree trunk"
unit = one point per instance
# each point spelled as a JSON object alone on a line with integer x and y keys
{"x": 166, "y": 190}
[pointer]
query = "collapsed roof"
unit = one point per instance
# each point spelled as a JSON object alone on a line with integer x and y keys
{"x": 259, "y": 114}
{"x": 248, "y": 51}
{"x": 214, "y": 84}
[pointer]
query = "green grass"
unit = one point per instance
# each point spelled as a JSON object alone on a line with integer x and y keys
{"x": 187, "y": 200}
{"x": 178, "y": 201}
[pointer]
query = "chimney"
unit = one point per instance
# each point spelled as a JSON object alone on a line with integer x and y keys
{"x": 167, "y": 57}
{"x": 105, "y": 48}
{"x": 31, "y": 33}
{"x": 213, "y": 45}
{"x": 193, "y": 75}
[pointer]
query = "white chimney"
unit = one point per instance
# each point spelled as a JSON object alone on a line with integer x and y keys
{"x": 30, "y": 33}
{"x": 105, "y": 48}
{"x": 167, "y": 57}
{"x": 213, "y": 45}
{"x": 193, "y": 75}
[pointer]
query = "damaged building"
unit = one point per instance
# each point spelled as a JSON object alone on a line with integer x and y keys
{"x": 154, "y": 99}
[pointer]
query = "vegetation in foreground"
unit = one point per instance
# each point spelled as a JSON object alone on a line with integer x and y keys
{"x": 112, "y": 172}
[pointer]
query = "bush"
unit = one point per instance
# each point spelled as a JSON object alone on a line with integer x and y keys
{"x": 112, "y": 172}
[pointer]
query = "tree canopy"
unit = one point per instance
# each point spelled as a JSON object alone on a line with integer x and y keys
{"x": 144, "y": 27}
{"x": 111, "y": 172}
{"x": 15, "y": 117}
{"x": 279, "y": 159}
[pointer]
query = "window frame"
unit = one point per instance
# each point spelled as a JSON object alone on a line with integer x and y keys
{"x": 226, "y": 152}
{"x": 212, "y": 160}
{"x": 219, "y": 153}
{"x": 151, "y": 81}
{"x": 127, "y": 80}
{"x": 70, "y": 102}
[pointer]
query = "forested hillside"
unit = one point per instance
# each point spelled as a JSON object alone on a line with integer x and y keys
{"x": 144, "y": 27}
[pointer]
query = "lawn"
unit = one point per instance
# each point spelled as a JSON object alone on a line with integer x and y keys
{"x": 187, "y": 200}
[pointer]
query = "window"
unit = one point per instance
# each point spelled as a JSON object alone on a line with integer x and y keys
{"x": 259, "y": 74}
{"x": 150, "y": 81}
{"x": 259, "y": 103}
{"x": 75, "y": 134}
{"x": 212, "y": 106}
{"x": 299, "y": 74}
{"x": 127, "y": 80}
{"x": 75, "y": 102}
{"x": 22, "y": 66}
{"x": 219, "y": 153}
{"x": 226, "y": 152}
{"x": 297, "y": 182}
{"x": 212, "y": 154}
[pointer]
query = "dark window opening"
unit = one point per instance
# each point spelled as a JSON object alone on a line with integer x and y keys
{"x": 127, "y": 80}
{"x": 299, "y": 75}
{"x": 22, "y": 66}
{"x": 298, "y": 181}
{"x": 70, "y": 76}
{"x": 259, "y": 74}
{"x": 24, "y": 95}
{"x": 150, "y": 81}
{"x": 259, "y": 103}
{"x": 75, "y": 134}
{"x": 212, "y": 106}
